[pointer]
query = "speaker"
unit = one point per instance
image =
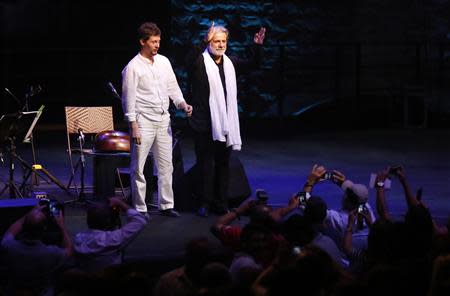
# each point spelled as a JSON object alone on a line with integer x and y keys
{"x": 13, "y": 209}
{"x": 238, "y": 185}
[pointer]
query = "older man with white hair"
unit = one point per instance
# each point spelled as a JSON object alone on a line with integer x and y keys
{"x": 212, "y": 77}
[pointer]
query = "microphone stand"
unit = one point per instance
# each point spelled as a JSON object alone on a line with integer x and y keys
{"x": 25, "y": 108}
{"x": 34, "y": 180}
{"x": 83, "y": 163}
{"x": 34, "y": 170}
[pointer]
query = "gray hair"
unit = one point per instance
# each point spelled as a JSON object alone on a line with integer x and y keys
{"x": 213, "y": 30}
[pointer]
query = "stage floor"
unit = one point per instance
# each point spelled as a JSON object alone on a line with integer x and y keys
{"x": 280, "y": 166}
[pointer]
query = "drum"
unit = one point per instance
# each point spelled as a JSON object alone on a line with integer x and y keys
{"x": 112, "y": 141}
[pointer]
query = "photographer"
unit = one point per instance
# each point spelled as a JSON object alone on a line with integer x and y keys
{"x": 32, "y": 265}
{"x": 413, "y": 240}
{"x": 355, "y": 196}
{"x": 257, "y": 211}
{"x": 102, "y": 245}
{"x": 418, "y": 220}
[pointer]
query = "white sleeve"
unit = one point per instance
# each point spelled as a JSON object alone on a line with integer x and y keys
{"x": 129, "y": 88}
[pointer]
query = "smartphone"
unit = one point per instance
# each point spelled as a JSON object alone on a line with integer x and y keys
{"x": 373, "y": 177}
{"x": 302, "y": 198}
{"x": 393, "y": 169}
{"x": 361, "y": 208}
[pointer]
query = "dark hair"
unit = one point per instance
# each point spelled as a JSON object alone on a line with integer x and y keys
{"x": 352, "y": 197}
{"x": 315, "y": 210}
{"x": 215, "y": 277}
{"x": 297, "y": 230}
{"x": 313, "y": 271}
{"x": 100, "y": 216}
{"x": 251, "y": 236}
{"x": 380, "y": 241}
{"x": 260, "y": 214}
{"x": 419, "y": 225}
{"x": 146, "y": 30}
{"x": 197, "y": 254}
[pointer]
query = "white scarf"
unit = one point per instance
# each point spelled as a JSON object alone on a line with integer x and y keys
{"x": 224, "y": 119}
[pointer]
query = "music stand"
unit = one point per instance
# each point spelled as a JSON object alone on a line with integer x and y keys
{"x": 19, "y": 126}
{"x": 12, "y": 127}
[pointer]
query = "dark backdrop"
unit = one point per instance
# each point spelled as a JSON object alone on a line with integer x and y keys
{"x": 370, "y": 63}
{"x": 71, "y": 49}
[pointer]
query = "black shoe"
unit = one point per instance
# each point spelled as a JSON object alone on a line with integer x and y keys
{"x": 169, "y": 213}
{"x": 203, "y": 212}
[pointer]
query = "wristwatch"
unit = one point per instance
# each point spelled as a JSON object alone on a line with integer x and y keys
{"x": 380, "y": 184}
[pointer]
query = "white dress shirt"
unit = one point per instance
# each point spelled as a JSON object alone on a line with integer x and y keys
{"x": 147, "y": 87}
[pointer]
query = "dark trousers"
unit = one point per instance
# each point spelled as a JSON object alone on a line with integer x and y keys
{"x": 213, "y": 167}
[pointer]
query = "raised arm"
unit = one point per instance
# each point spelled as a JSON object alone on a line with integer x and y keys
{"x": 228, "y": 218}
{"x": 244, "y": 65}
{"x": 66, "y": 239}
{"x": 382, "y": 210}
{"x": 279, "y": 213}
{"x": 348, "y": 234}
{"x": 409, "y": 196}
{"x": 314, "y": 177}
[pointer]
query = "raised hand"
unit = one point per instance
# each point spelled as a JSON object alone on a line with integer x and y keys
{"x": 400, "y": 173}
{"x": 383, "y": 175}
{"x": 259, "y": 37}
{"x": 338, "y": 177}
{"x": 317, "y": 173}
{"x": 210, "y": 34}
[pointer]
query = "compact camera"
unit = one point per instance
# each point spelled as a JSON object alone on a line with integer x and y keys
{"x": 328, "y": 176}
{"x": 261, "y": 196}
{"x": 52, "y": 207}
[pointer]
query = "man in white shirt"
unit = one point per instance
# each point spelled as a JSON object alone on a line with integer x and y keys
{"x": 148, "y": 81}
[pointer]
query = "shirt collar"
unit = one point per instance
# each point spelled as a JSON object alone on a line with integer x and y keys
{"x": 145, "y": 60}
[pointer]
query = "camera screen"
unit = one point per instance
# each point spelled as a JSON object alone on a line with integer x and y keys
{"x": 360, "y": 208}
{"x": 301, "y": 198}
{"x": 54, "y": 210}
